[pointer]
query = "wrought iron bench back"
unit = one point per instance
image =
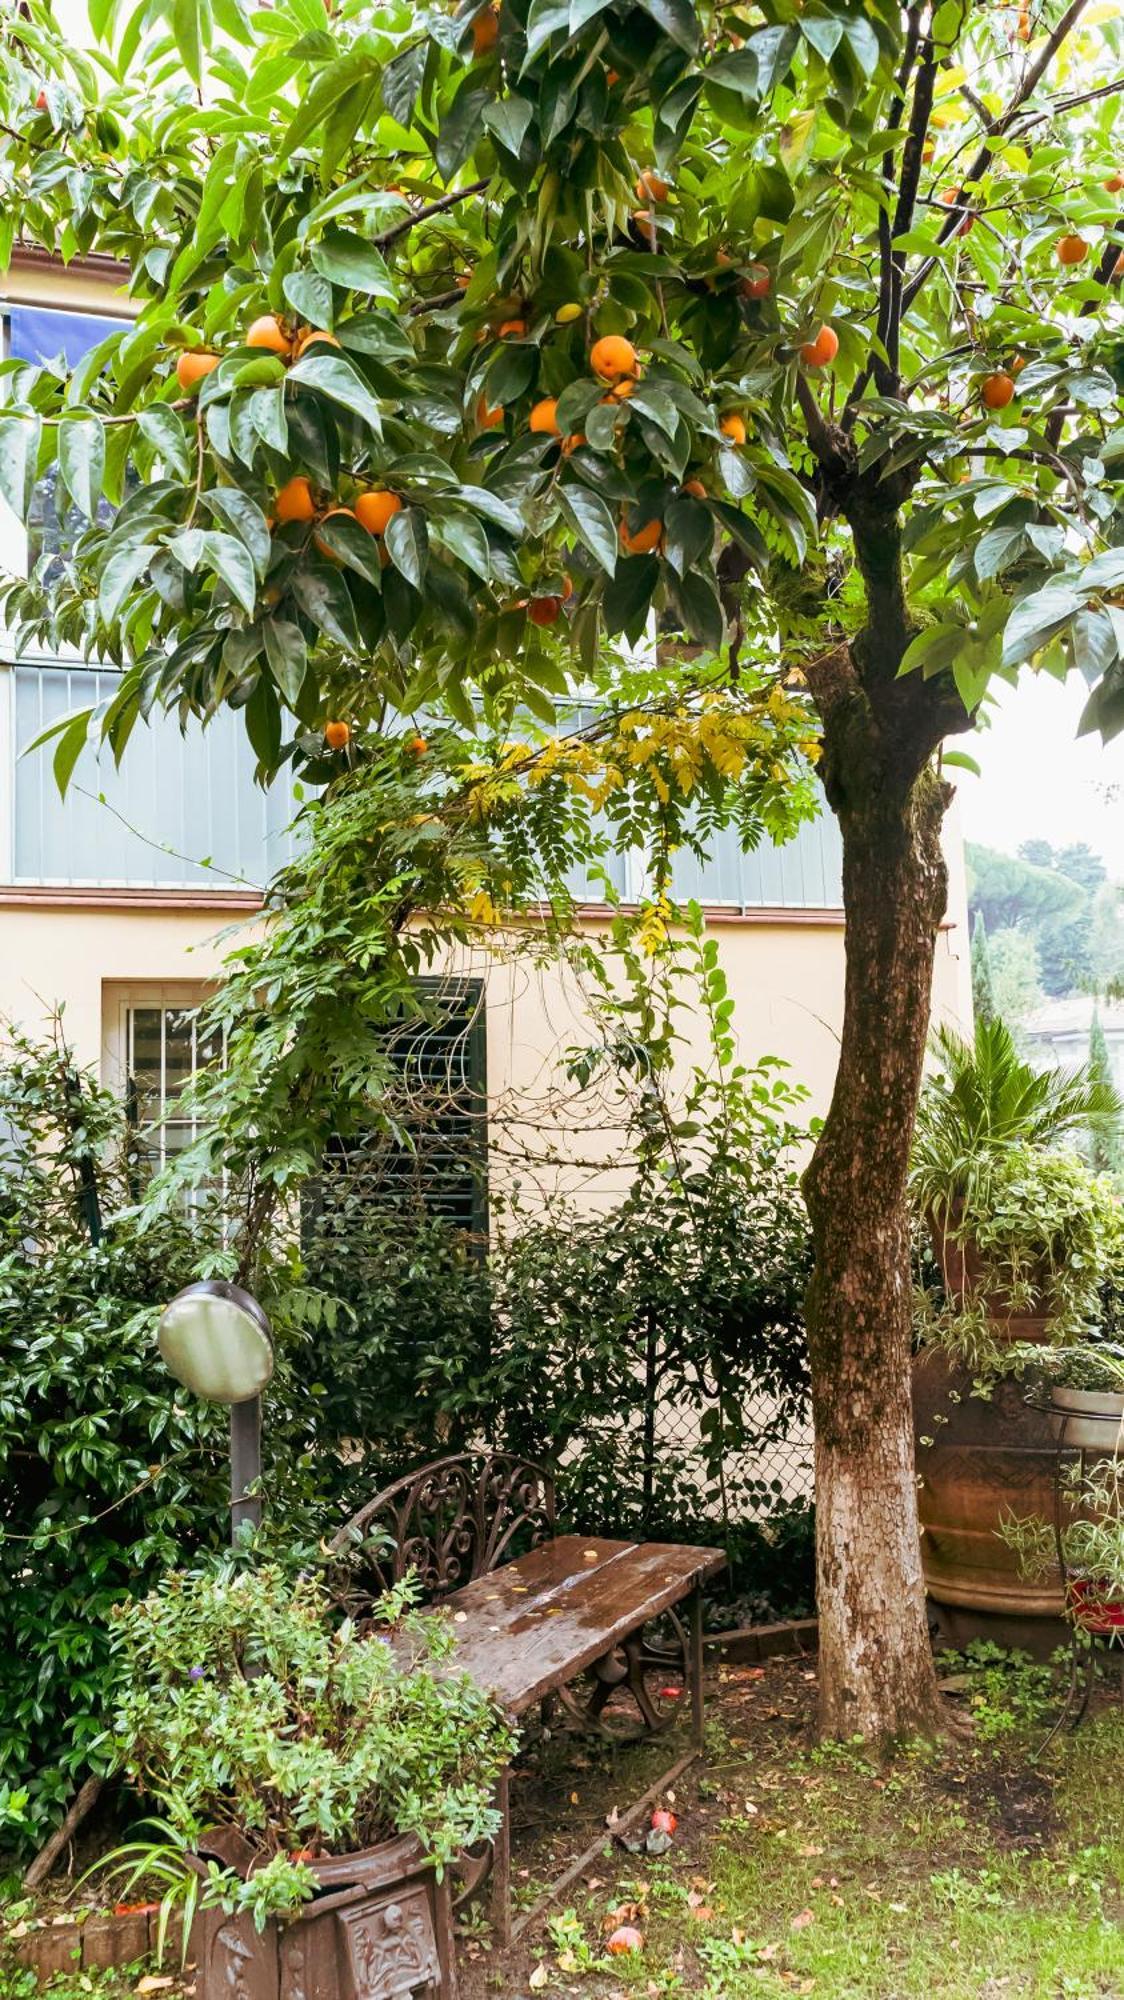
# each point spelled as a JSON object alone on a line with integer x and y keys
{"x": 453, "y": 1521}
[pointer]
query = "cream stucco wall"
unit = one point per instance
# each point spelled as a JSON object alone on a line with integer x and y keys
{"x": 785, "y": 975}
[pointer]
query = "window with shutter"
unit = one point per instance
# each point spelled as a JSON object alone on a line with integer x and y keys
{"x": 436, "y": 1164}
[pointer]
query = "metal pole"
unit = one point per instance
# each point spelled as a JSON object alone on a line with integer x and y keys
{"x": 245, "y": 1464}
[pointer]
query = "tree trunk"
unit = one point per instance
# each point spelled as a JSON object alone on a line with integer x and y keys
{"x": 876, "y": 1671}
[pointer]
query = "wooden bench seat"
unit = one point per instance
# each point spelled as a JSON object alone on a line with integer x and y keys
{"x": 541, "y": 1620}
{"x": 590, "y": 1629}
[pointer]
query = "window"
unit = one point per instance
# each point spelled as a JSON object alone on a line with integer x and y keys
{"x": 806, "y": 872}
{"x": 155, "y": 1050}
{"x": 181, "y": 812}
{"x": 439, "y": 1166}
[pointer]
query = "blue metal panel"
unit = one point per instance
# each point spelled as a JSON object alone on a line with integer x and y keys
{"x": 41, "y": 336}
{"x": 179, "y": 800}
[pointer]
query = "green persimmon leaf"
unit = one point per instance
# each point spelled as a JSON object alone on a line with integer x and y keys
{"x": 287, "y": 655}
{"x": 81, "y": 442}
{"x": 592, "y": 522}
{"x": 323, "y": 596}
{"x": 347, "y": 259}
{"x": 20, "y": 432}
{"x": 407, "y": 544}
{"x": 163, "y": 429}
{"x": 330, "y": 375}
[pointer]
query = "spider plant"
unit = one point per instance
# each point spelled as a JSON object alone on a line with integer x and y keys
{"x": 984, "y": 1099}
{"x": 158, "y": 1858}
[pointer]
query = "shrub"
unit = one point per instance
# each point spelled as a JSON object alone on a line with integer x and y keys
{"x": 106, "y": 1478}
{"x": 246, "y": 1704}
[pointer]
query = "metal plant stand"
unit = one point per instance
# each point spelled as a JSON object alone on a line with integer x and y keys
{"x": 1096, "y": 1627}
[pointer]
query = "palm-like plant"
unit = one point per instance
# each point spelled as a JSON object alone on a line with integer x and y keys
{"x": 985, "y": 1098}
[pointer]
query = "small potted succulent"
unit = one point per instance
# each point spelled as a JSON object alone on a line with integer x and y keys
{"x": 315, "y": 1779}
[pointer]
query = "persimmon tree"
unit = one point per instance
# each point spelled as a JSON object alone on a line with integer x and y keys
{"x": 470, "y": 344}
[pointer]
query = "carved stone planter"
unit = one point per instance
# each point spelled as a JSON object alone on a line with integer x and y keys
{"x": 380, "y": 1928}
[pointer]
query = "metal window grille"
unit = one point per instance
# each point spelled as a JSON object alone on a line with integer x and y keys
{"x": 430, "y": 1156}
{"x": 165, "y": 1051}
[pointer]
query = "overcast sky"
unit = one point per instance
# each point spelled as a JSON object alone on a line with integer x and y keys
{"x": 1040, "y": 779}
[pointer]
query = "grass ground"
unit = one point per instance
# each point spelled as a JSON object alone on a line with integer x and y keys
{"x": 963, "y": 1871}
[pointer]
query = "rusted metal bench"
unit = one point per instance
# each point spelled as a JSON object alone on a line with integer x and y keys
{"x": 606, "y": 1636}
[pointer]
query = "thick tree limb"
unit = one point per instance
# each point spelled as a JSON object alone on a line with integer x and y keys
{"x": 48, "y": 1854}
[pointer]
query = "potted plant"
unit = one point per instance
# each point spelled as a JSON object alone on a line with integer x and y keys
{"x": 1086, "y": 1390}
{"x": 1090, "y": 1547}
{"x": 316, "y": 1779}
{"x": 1024, "y": 1236}
{"x": 1014, "y": 1223}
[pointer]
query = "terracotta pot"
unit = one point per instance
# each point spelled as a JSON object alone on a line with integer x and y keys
{"x": 380, "y": 1928}
{"x": 993, "y": 1457}
{"x": 963, "y": 1271}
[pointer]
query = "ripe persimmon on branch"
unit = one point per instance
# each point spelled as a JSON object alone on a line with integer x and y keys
{"x": 864, "y": 423}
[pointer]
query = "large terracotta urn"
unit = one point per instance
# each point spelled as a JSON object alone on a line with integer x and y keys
{"x": 989, "y": 1457}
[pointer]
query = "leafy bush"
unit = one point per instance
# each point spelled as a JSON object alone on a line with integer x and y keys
{"x": 106, "y": 1479}
{"x": 246, "y": 1704}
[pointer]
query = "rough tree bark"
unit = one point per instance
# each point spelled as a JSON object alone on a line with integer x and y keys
{"x": 880, "y": 733}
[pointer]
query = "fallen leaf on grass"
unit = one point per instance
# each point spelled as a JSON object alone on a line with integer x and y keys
{"x": 802, "y": 1919}
{"x": 807, "y": 1851}
{"x": 154, "y": 1982}
{"x": 768, "y": 1952}
{"x": 624, "y": 1914}
{"x": 539, "y": 1978}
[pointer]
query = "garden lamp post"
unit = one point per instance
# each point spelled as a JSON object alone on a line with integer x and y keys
{"x": 216, "y": 1340}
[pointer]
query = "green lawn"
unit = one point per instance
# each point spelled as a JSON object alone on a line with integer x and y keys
{"x": 962, "y": 1869}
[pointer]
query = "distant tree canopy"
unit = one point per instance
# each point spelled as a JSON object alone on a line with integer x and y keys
{"x": 1061, "y": 900}
{"x": 1015, "y": 976}
{"x": 983, "y": 989}
{"x": 1105, "y": 1150}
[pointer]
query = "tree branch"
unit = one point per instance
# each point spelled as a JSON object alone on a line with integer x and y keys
{"x": 431, "y": 208}
{"x": 886, "y": 373}
{"x": 994, "y": 132}
{"x": 824, "y": 444}
{"x": 438, "y": 300}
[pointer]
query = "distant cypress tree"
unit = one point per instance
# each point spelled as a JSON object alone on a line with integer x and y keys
{"x": 1106, "y": 1155}
{"x": 983, "y": 986}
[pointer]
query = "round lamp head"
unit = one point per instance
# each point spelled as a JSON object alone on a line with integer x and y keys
{"x": 215, "y": 1339}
